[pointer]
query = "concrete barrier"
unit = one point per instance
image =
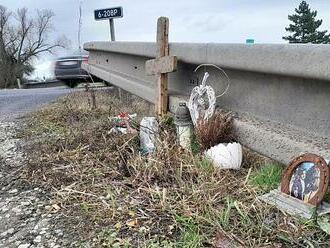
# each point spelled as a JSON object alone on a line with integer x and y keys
{"x": 281, "y": 93}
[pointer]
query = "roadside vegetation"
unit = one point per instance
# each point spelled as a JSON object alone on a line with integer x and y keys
{"x": 114, "y": 197}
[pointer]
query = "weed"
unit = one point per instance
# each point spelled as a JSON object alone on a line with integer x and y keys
{"x": 225, "y": 213}
{"x": 190, "y": 235}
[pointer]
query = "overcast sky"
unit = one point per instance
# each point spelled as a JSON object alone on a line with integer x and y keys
{"x": 221, "y": 21}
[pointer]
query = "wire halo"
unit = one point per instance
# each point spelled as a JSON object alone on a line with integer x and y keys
{"x": 221, "y": 70}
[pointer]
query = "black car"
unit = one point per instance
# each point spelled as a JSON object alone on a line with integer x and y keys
{"x": 68, "y": 69}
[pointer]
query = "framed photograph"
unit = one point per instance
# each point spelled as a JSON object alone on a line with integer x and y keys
{"x": 306, "y": 178}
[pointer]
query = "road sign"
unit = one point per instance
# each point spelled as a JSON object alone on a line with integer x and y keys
{"x": 101, "y": 14}
{"x": 110, "y": 14}
{"x": 249, "y": 41}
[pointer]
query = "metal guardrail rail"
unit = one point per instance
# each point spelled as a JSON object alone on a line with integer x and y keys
{"x": 280, "y": 92}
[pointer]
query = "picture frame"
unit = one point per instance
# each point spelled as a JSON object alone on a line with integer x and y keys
{"x": 306, "y": 178}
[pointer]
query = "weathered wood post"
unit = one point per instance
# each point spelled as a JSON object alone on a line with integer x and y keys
{"x": 162, "y": 65}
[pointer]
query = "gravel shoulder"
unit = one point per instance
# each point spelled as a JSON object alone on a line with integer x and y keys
{"x": 27, "y": 217}
{"x": 24, "y": 218}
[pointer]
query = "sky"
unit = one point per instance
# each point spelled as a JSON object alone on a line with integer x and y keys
{"x": 219, "y": 21}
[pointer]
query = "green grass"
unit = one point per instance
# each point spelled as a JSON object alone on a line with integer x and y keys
{"x": 168, "y": 120}
{"x": 191, "y": 237}
{"x": 268, "y": 177}
{"x": 195, "y": 145}
{"x": 205, "y": 164}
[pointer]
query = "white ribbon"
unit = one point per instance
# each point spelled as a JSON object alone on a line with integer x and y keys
{"x": 197, "y": 105}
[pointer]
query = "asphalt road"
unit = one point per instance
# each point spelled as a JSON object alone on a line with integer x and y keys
{"x": 17, "y": 102}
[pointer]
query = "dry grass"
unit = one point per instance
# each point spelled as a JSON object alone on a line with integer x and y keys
{"x": 114, "y": 197}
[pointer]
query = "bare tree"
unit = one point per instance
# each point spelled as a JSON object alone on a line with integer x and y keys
{"x": 23, "y": 38}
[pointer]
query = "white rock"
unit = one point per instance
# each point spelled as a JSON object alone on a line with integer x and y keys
{"x": 59, "y": 232}
{"x": 4, "y": 209}
{"x": 24, "y": 246}
{"x": 25, "y": 203}
{"x": 16, "y": 209}
{"x": 37, "y": 239}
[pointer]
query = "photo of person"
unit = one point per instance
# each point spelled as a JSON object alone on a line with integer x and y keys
{"x": 305, "y": 181}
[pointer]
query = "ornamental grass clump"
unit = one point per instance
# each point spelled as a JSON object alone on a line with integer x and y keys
{"x": 218, "y": 129}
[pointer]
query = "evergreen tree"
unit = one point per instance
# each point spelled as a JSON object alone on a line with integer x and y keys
{"x": 304, "y": 27}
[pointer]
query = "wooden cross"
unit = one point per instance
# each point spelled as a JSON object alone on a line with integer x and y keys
{"x": 162, "y": 65}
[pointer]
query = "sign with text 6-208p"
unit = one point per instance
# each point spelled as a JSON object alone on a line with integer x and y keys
{"x": 109, "y": 13}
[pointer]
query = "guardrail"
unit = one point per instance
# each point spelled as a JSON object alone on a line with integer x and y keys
{"x": 280, "y": 92}
{"x": 45, "y": 84}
